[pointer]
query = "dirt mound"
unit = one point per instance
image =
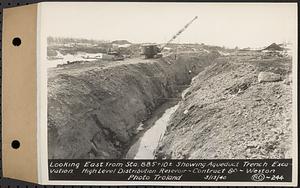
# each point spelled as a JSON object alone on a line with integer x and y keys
{"x": 227, "y": 113}
{"x": 121, "y": 42}
{"x": 93, "y": 111}
{"x": 274, "y": 47}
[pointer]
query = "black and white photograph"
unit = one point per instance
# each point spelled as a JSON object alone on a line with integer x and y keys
{"x": 150, "y": 93}
{"x": 170, "y": 81}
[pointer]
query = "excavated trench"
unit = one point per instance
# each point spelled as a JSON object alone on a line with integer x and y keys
{"x": 100, "y": 112}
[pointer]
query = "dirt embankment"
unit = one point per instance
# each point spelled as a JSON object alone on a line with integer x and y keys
{"x": 94, "y": 111}
{"x": 228, "y": 113}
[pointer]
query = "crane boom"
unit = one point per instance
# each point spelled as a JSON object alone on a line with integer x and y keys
{"x": 179, "y": 32}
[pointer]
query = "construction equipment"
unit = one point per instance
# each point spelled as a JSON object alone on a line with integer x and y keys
{"x": 117, "y": 56}
{"x": 155, "y": 50}
{"x": 151, "y": 51}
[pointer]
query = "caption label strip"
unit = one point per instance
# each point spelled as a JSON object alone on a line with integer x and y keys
{"x": 254, "y": 170}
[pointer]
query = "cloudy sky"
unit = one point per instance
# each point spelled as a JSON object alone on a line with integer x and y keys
{"x": 226, "y": 24}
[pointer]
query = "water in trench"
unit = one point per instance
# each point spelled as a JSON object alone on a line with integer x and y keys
{"x": 145, "y": 146}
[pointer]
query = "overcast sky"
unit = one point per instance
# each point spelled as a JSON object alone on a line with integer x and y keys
{"x": 230, "y": 25}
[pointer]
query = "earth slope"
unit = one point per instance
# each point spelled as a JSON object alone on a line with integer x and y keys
{"x": 227, "y": 113}
{"x": 95, "y": 108}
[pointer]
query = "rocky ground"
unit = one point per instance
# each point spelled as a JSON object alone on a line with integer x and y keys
{"x": 239, "y": 107}
{"x": 95, "y": 108}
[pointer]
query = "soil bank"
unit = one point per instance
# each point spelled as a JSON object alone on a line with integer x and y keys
{"x": 94, "y": 110}
{"x": 228, "y": 113}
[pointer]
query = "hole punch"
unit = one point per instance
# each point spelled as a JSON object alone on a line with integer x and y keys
{"x": 16, "y": 41}
{"x": 15, "y": 144}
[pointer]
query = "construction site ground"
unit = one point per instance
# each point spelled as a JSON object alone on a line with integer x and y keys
{"x": 229, "y": 113}
{"x": 95, "y": 108}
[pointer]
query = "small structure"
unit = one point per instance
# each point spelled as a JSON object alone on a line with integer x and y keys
{"x": 274, "y": 50}
{"x": 273, "y": 47}
{"x": 121, "y": 44}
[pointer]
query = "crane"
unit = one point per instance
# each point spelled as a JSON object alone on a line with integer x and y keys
{"x": 153, "y": 50}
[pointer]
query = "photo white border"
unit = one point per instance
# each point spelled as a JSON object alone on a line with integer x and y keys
{"x": 42, "y": 116}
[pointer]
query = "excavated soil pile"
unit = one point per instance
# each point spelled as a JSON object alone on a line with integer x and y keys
{"x": 236, "y": 108}
{"x": 94, "y": 110}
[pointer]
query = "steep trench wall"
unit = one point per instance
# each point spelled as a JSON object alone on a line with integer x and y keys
{"x": 228, "y": 113}
{"x": 95, "y": 113}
